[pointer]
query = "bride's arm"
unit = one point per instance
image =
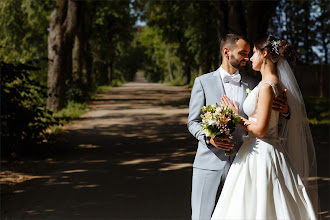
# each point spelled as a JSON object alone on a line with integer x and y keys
{"x": 264, "y": 108}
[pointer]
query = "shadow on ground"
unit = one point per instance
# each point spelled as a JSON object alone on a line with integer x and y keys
{"x": 130, "y": 157}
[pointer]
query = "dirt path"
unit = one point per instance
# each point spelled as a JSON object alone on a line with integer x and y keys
{"x": 129, "y": 157}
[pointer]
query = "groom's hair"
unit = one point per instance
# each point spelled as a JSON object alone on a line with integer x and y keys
{"x": 230, "y": 40}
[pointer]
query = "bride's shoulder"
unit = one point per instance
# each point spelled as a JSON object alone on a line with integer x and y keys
{"x": 270, "y": 85}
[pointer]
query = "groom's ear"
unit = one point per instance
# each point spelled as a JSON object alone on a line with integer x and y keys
{"x": 225, "y": 51}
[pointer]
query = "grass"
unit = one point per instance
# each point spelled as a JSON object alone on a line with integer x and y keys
{"x": 114, "y": 83}
{"x": 74, "y": 110}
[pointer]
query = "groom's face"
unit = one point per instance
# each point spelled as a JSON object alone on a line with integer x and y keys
{"x": 239, "y": 54}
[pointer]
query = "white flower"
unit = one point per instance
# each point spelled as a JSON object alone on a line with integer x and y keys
{"x": 212, "y": 121}
{"x": 218, "y": 109}
{"x": 248, "y": 91}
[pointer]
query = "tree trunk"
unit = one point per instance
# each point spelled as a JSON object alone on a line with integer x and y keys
{"x": 236, "y": 17}
{"x": 82, "y": 60}
{"x": 307, "y": 46}
{"x": 258, "y": 16}
{"x": 169, "y": 64}
{"x": 321, "y": 82}
{"x": 77, "y": 59}
{"x": 110, "y": 72}
{"x": 221, "y": 9}
{"x": 325, "y": 44}
{"x": 187, "y": 69}
{"x": 63, "y": 22}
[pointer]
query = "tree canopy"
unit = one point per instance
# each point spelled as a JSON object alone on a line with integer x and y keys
{"x": 77, "y": 45}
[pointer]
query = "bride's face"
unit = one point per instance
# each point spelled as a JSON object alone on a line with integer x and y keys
{"x": 256, "y": 59}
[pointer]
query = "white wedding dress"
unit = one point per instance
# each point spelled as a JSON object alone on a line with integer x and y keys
{"x": 262, "y": 182}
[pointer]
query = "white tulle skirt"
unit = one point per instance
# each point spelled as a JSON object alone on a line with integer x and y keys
{"x": 263, "y": 184}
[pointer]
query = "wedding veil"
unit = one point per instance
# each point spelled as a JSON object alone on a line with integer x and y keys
{"x": 299, "y": 142}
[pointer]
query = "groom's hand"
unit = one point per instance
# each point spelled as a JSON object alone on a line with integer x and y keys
{"x": 222, "y": 143}
{"x": 280, "y": 104}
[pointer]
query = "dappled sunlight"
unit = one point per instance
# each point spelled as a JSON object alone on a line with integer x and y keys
{"x": 55, "y": 182}
{"x": 86, "y": 161}
{"x": 90, "y": 146}
{"x": 74, "y": 171}
{"x": 133, "y": 151}
{"x": 178, "y": 166}
{"x": 318, "y": 178}
{"x": 10, "y": 177}
{"x": 85, "y": 186}
{"x": 139, "y": 161}
{"x": 95, "y": 161}
{"x": 32, "y": 212}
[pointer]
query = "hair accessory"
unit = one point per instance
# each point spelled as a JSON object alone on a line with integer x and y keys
{"x": 275, "y": 44}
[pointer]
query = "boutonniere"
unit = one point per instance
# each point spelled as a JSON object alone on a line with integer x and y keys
{"x": 248, "y": 91}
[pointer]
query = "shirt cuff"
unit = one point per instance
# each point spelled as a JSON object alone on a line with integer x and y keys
{"x": 207, "y": 140}
{"x": 286, "y": 114}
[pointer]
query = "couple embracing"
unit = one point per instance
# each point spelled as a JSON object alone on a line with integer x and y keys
{"x": 266, "y": 176}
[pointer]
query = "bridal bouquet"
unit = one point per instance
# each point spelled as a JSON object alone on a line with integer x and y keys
{"x": 219, "y": 121}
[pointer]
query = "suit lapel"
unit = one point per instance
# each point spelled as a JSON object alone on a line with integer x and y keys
{"x": 218, "y": 84}
{"x": 244, "y": 95}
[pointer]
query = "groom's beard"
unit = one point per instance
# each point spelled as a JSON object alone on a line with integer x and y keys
{"x": 237, "y": 63}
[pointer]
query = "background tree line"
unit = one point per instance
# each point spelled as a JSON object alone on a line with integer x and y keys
{"x": 191, "y": 31}
{"x": 55, "y": 53}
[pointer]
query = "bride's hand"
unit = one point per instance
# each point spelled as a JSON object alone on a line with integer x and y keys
{"x": 226, "y": 102}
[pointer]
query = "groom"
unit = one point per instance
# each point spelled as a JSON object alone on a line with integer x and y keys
{"x": 211, "y": 165}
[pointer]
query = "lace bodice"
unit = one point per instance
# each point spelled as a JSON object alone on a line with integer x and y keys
{"x": 250, "y": 109}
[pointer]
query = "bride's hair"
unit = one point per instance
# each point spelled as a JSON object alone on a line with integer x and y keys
{"x": 277, "y": 48}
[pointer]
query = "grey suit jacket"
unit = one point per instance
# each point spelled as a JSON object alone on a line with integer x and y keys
{"x": 207, "y": 90}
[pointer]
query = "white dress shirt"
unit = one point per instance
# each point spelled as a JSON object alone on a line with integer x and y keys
{"x": 233, "y": 91}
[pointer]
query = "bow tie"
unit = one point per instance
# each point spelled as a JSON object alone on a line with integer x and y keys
{"x": 233, "y": 79}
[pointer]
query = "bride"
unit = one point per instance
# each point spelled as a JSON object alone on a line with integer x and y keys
{"x": 268, "y": 178}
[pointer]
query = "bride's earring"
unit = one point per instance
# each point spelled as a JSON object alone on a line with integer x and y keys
{"x": 264, "y": 61}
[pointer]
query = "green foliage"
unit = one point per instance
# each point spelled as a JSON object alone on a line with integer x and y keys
{"x": 114, "y": 83}
{"x": 78, "y": 92}
{"x": 24, "y": 118}
{"x": 160, "y": 56}
{"x": 130, "y": 57}
{"x": 23, "y": 30}
{"x": 305, "y": 23}
{"x": 318, "y": 110}
{"x": 72, "y": 111}
{"x": 112, "y": 41}
{"x": 180, "y": 39}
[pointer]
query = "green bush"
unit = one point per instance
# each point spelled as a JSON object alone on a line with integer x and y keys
{"x": 24, "y": 117}
{"x": 78, "y": 92}
{"x": 318, "y": 110}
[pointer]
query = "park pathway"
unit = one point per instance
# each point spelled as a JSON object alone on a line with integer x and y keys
{"x": 129, "y": 157}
